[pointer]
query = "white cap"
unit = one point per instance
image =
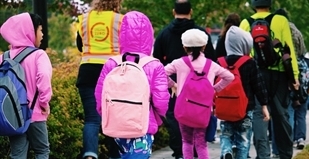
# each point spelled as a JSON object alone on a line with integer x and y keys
{"x": 194, "y": 38}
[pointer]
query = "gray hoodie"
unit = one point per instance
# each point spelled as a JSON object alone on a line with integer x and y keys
{"x": 238, "y": 41}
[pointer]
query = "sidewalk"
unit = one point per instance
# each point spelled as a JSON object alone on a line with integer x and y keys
{"x": 213, "y": 149}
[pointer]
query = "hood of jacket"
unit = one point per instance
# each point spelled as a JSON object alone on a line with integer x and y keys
{"x": 18, "y": 31}
{"x": 179, "y": 26}
{"x": 136, "y": 34}
{"x": 238, "y": 41}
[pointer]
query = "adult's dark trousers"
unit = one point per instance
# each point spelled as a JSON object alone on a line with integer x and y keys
{"x": 260, "y": 138}
{"x": 175, "y": 140}
{"x": 278, "y": 92}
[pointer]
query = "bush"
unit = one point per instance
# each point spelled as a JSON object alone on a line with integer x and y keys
{"x": 304, "y": 154}
{"x": 65, "y": 122}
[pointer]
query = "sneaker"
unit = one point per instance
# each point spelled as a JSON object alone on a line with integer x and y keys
{"x": 228, "y": 156}
{"x": 295, "y": 144}
{"x": 275, "y": 156}
{"x": 300, "y": 144}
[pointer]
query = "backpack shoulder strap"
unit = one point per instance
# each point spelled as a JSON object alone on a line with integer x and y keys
{"x": 117, "y": 59}
{"x": 269, "y": 18}
{"x": 250, "y": 20}
{"x": 241, "y": 61}
{"x": 222, "y": 62}
{"x": 143, "y": 61}
{"x": 207, "y": 66}
{"x": 23, "y": 54}
{"x": 6, "y": 55}
{"x": 187, "y": 62}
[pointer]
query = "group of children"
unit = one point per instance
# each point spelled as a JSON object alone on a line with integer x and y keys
{"x": 136, "y": 39}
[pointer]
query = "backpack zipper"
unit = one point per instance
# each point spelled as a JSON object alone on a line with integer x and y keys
{"x": 193, "y": 102}
{"x": 125, "y": 101}
{"x": 227, "y": 97}
{"x": 14, "y": 105}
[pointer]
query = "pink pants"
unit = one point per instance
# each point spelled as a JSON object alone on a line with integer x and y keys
{"x": 193, "y": 137}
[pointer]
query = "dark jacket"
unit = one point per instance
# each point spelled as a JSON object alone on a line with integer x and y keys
{"x": 168, "y": 45}
{"x": 220, "y": 48}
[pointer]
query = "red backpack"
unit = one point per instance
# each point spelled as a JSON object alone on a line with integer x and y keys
{"x": 263, "y": 42}
{"x": 231, "y": 103}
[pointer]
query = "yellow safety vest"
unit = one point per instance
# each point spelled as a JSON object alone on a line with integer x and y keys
{"x": 100, "y": 35}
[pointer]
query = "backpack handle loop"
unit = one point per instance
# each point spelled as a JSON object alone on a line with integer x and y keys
{"x": 124, "y": 57}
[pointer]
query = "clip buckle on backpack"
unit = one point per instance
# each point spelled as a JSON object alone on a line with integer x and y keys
{"x": 15, "y": 114}
{"x": 193, "y": 104}
{"x": 263, "y": 44}
{"x": 126, "y": 98}
{"x": 231, "y": 103}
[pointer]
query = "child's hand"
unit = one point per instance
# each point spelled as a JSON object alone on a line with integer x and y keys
{"x": 265, "y": 113}
{"x": 45, "y": 111}
{"x": 174, "y": 90}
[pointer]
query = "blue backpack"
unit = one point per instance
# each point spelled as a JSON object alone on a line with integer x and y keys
{"x": 15, "y": 114}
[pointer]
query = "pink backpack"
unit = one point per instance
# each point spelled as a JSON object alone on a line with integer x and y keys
{"x": 194, "y": 103}
{"x": 126, "y": 98}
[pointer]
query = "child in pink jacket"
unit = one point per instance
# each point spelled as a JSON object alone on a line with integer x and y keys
{"x": 21, "y": 31}
{"x": 194, "y": 42}
{"x": 137, "y": 37}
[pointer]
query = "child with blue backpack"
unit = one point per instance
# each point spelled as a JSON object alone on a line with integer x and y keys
{"x": 24, "y": 34}
{"x": 195, "y": 91}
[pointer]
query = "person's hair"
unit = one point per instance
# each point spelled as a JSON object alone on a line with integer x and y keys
{"x": 282, "y": 12}
{"x": 182, "y": 7}
{"x": 36, "y": 21}
{"x": 105, "y": 5}
{"x": 232, "y": 19}
{"x": 196, "y": 51}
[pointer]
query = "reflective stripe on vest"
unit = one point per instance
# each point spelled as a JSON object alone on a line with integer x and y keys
{"x": 100, "y": 35}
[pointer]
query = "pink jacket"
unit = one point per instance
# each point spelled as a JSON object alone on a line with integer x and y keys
{"x": 179, "y": 67}
{"x": 19, "y": 32}
{"x": 136, "y": 36}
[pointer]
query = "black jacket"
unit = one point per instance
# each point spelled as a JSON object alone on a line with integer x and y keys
{"x": 168, "y": 45}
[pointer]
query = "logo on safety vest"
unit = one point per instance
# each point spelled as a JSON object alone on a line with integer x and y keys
{"x": 99, "y": 31}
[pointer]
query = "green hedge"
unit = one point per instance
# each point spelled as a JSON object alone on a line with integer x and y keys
{"x": 65, "y": 122}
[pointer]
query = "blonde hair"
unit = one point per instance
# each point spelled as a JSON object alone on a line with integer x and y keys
{"x": 105, "y": 5}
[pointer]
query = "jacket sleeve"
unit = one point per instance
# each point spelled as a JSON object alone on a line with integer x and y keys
{"x": 159, "y": 90}
{"x": 158, "y": 51}
{"x": 258, "y": 84}
{"x": 226, "y": 77}
{"x": 287, "y": 39}
{"x": 43, "y": 78}
{"x": 108, "y": 66}
{"x": 209, "y": 50}
{"x": 171, "y": 68}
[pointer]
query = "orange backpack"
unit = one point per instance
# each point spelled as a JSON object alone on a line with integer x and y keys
{"x": 231, "y": 103}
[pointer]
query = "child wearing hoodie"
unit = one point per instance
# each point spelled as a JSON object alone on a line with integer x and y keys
{"x": 21, "y": 31}
{"x": 194, "y": 42}
{"x": 137, "y": 37}
{"x": 239, "y": 43}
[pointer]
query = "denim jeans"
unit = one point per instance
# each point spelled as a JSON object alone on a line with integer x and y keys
{"x": 36, "y": 137}
{"x": 239, "y": 131}
{"x": 92, "y": 122}
{"x": 300, "y": 127}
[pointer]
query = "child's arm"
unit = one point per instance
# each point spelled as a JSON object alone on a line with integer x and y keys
{"x": 226, "y": 77}
{"x": 169, "y": 70}
{"x": 108, "y": 66}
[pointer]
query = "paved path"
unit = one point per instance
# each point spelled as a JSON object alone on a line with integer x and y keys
{"x": 213, "y": 149}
